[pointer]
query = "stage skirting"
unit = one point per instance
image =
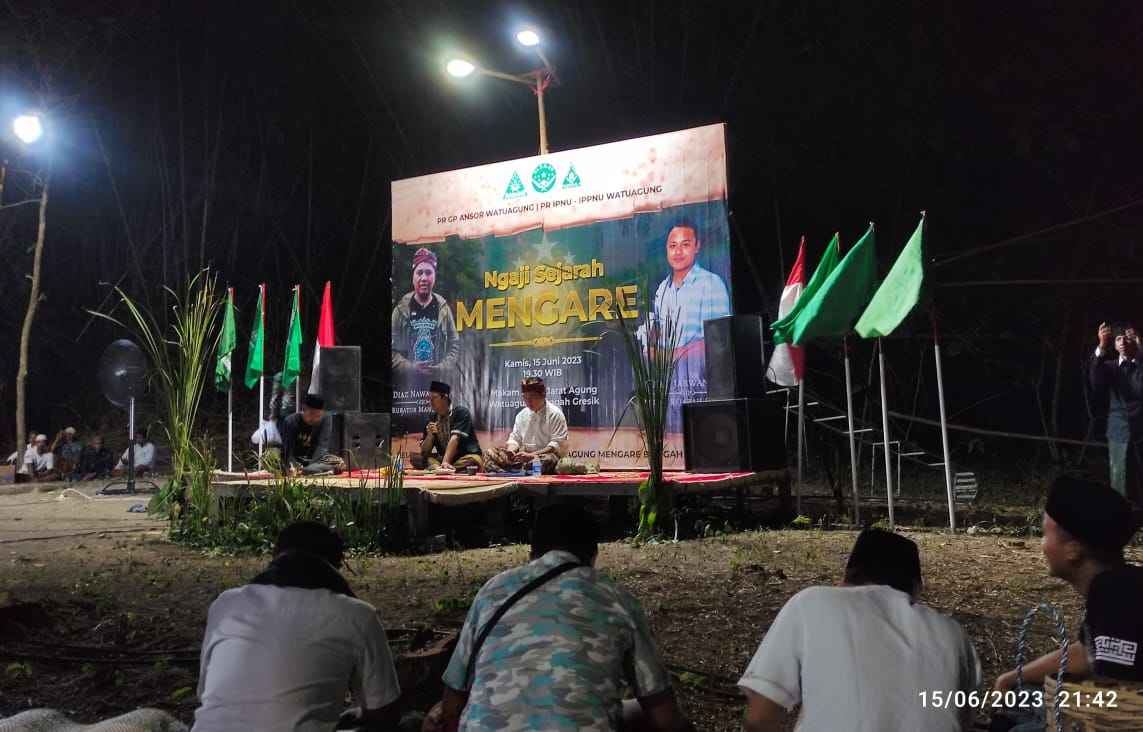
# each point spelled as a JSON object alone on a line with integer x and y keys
{"x": 458, "y": 490}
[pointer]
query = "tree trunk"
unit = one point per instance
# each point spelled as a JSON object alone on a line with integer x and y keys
{"x": 30, "y": 315}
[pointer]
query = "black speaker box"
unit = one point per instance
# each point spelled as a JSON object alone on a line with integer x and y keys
{"x": 365, "y": 438}
{"x": 729, "y": 435}
{"x": 340, "y": 375}
{"x": 735, "y": 361}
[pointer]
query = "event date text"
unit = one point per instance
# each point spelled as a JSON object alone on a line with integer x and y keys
{"x": 532, "y": 363}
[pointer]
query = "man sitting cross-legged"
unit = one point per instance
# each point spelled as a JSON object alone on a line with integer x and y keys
{"x": 450, "y": 439}
{"x": 96, "y": 461}
{"x": 281, "y": 652}
{"x": 559, "y": 656}
{"x": 39, "y": 462}
{"x": 858, "y": 657}
{"x": 1086, "y": 527}
{"x": 540, "y": 431}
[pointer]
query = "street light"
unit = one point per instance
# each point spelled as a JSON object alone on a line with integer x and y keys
{"x": 460, "y": 68}
{"x": 537, "y": 80}
{"x": 28, "y": 128}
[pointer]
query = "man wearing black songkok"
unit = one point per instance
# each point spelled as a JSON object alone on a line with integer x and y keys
{"x": 450, "y": 438}
{"x": 1086, "y": 527}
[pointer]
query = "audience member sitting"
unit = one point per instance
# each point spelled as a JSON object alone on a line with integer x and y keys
{"x": 558, "y": 658}
{"x": 96, "y": 461}
{"x": 281, "y": 652}
{"x": 450, "y": 440}
{"x": 144, "y": 455}
{"x": 1086, "y": 527}
{"x": 67, "y": 450}
{"x": 540, "y": 431}
{"x": 858, "y": 656}
{"x": 307, "y": 437}
{"x": 39, "y": 462}
{"x": 18, "y": 456}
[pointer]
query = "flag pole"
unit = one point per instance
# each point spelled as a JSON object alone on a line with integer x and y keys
{"x": 885, "y": 430}
{"x": 852, "y": 448}
{"x": 944, "y": 422}
{"x": 230, "y": 427}
{"x": 261, "y": 406}
{"x": 801, "y": 440}
{"x": 298, "y": 381}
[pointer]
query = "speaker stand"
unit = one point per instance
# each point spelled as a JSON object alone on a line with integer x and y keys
{"x": 129, "y": 484}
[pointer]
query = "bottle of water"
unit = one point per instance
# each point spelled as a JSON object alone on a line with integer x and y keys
{"x": 537, "y": 466}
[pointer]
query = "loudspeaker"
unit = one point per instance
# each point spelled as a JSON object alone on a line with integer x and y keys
{"x": 733, "y": 434}
{"x": 365, "y": 438}
{"x": 340, "y": 374}
{"x": 735, "y": 361}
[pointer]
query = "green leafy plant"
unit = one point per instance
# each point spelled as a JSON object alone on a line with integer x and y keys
{"x": 651, "y": 351}
{"x": 179, "y": 348}
{"x": 368, "y": 516}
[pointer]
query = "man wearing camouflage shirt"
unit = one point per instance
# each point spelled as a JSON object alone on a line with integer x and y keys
{"x": 561, "y": 655}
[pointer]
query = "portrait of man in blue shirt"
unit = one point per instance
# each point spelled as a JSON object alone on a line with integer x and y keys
{"x": 689, "y": 295}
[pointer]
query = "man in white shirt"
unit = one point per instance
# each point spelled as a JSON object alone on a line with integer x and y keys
{"x": 144, "y": 455}
{"x": 39, "y": 462}
{"x": 540, "y": 431}
{"x": 281, "y": 652}
{"x": 863, "y": 657}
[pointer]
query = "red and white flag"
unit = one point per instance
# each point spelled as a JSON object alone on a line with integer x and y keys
{"x": 787, "y": 363}
{"x": 325, "y": 338}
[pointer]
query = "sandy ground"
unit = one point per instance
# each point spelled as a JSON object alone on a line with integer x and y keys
{"x": 95, "y": 579}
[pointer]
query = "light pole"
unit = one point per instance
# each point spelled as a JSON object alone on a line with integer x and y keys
{"x": 29, "y": 129}
{"x": 538, "y": 80}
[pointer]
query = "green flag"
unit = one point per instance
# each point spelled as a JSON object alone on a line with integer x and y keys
{"x": 255, "y": 358}
{"x": 293, "y": 365}
{"x": 781, "y": 327}
{"x": 842, "y": 297}
{"x": 900, "y": 291}
{"x": 226, "y": 345}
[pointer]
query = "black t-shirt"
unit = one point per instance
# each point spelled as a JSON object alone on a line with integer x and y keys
{"x": 1113, "y": 624}
{"x": 302, "y": 442}
{"x": 459, "y": 421}
{"x": 423, "y": 322}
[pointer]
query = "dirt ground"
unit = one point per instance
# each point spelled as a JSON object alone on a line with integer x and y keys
{"x": 101, "y": 614}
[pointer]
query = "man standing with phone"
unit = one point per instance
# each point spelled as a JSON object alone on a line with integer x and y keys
{"x": 1116, "y": 376}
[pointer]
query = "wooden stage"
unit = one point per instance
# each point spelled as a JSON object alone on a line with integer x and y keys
{"x": 423, "y": 491}
{"x": 459, "y": 490}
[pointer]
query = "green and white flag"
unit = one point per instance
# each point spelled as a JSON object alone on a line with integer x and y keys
{"x": 226, "y": 344}
{"x": 293, "y": 363}
{"x": 255, "y": 359}
{"x": 828, "y": 263}
{"x": 900, "y": 291}
{"x": 843, "y": 296}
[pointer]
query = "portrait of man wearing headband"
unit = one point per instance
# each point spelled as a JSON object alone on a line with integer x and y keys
{"x": 424, "y": 336}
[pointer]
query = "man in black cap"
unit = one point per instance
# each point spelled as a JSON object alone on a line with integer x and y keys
{"x": 863, "y": 655}
{"x": 306, "y": 438}
{"x": 1086, "y": 527}
{"x": 450, "y": 439}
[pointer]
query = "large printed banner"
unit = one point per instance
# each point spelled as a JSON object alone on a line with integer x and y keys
{"x": 522, "y": 268}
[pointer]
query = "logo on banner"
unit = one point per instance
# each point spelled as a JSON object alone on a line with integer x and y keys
{"x": 515, "y": 187}
{"x": 543, "y": 177}
{"x": 571, "y": 180}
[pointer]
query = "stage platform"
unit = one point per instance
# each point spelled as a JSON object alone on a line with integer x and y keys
{"x": 459, "y": 490}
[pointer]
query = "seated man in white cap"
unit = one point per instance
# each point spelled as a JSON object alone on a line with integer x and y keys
{"x": 39, "y": 462}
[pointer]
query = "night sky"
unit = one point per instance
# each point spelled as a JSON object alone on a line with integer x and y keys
{"x": 286, "y": 122}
